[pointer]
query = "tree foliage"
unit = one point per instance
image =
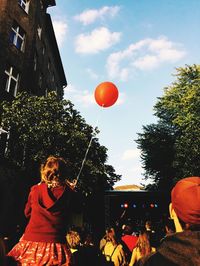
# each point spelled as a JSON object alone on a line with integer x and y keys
{"x": 171, "y": 148}
{"x": 43, "y": 126}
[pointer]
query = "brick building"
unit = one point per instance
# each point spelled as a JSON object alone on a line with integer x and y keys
{"x": 29, "y": 61}
{"x": 29, "y": 55}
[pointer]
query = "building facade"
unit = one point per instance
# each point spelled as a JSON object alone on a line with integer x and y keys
{"x": 29, "y": 61}
{"x": 29, "y": 55}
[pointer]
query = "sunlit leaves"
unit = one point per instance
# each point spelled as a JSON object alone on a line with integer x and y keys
{"x": 40, "y": 126}
{"x": 178, "y": 112}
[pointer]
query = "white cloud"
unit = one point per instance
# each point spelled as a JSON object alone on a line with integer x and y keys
{"x": 146, "y": 62}
{"x": 81, "y": 97}
{"x": 146, "y": 54}
{"x": 86, "y": 98}
{"x": 131, "y": 154}
{"x": 91, "y": 15}
{"x": 124, "y": 74}
{"x": 121, "y": 99}
{"x": 131, "y": 173}
{"x": 60, "y": 28}
{"x": 171, "y": 55}
{"x": 91, "y": 73}
{"x": 98, "y": 40}
{"x": 70, "y": 89}
{"x": 136, "y": 169}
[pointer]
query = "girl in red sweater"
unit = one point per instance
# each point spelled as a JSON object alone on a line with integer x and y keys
{"x": 43, "y": 242}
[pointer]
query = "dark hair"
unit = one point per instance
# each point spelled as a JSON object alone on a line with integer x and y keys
{"x": 111, "y": 235}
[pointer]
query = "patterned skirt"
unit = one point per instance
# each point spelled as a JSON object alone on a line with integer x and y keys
{"x": 28, "y": 253}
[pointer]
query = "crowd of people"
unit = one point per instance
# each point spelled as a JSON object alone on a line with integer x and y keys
{"x": 45, "y": 241}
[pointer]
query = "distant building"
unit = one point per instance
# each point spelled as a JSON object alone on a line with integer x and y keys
{"x": 29, "y": 55}
{"x": 128, "y": 188}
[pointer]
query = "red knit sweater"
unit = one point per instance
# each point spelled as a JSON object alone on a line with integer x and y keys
{"x": 47, "y": 210}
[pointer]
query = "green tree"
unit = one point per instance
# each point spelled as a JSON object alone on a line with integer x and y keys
{"x": 157, "y": 145}
{"x": 178, "y": 112}
{"x": 43, "y": 126}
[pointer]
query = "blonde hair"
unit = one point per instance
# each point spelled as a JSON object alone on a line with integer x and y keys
{"x": 143, "y": 244}
{"x": 73, "y": 239}
{"x": 54, "y": 171}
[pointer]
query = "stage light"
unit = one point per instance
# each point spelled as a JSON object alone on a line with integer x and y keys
{"x": 156, "y": 205}
{"x": 143, "y": 206}
{"x": 152, "y": 205}
{"x": 125, "y": 205}
{"x": 122, "y": 205}
{"x": 134, "y": 206}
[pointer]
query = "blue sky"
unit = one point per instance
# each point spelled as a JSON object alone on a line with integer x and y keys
{"x": 137, "y": 45}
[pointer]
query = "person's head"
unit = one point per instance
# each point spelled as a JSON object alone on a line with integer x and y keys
{"x": 185, "y": 204}
{"x": 143, "y": 243}
{"x": 88, "y": 239}
{"x": 73, "y": 239}
{"x": 148, "y": 225}
{"x": 110, "y": 235}
{"x": 127, "y": 229}
{"x": 54, "y": 171}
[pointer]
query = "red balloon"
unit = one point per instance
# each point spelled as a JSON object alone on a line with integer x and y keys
{"x": 106, "y": 94}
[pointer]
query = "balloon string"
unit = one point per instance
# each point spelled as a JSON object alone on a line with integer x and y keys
{"x": 86, "y": 153}
{"x": 84, "y": 159}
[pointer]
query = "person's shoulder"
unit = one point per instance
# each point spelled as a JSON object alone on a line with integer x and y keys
{"x": 154, "y": 259}
{"x": 120, "y": 247}
{"x": 37, "y": 186}
{"x": 150, "y": 260}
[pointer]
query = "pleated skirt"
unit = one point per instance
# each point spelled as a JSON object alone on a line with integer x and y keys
{"x": 28, "y": 253}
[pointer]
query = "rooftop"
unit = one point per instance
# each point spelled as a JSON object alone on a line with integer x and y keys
{"x": 128, "y": 188}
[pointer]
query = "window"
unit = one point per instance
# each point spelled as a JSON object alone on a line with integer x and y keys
{"x": 24, "y": 4}
{"x": 17, "y": 36}
{"x": 11, "y": 80}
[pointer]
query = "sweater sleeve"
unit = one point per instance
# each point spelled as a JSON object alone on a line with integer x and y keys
{"x": 27, "y": 210}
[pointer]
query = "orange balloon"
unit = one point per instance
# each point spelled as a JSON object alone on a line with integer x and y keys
{"x": 106, "y": 94}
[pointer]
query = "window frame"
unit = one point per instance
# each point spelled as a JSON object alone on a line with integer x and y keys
{"x": 24, "y": 4}
{"x": 10, "y": 78}
{"x": 15, "y": 29}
